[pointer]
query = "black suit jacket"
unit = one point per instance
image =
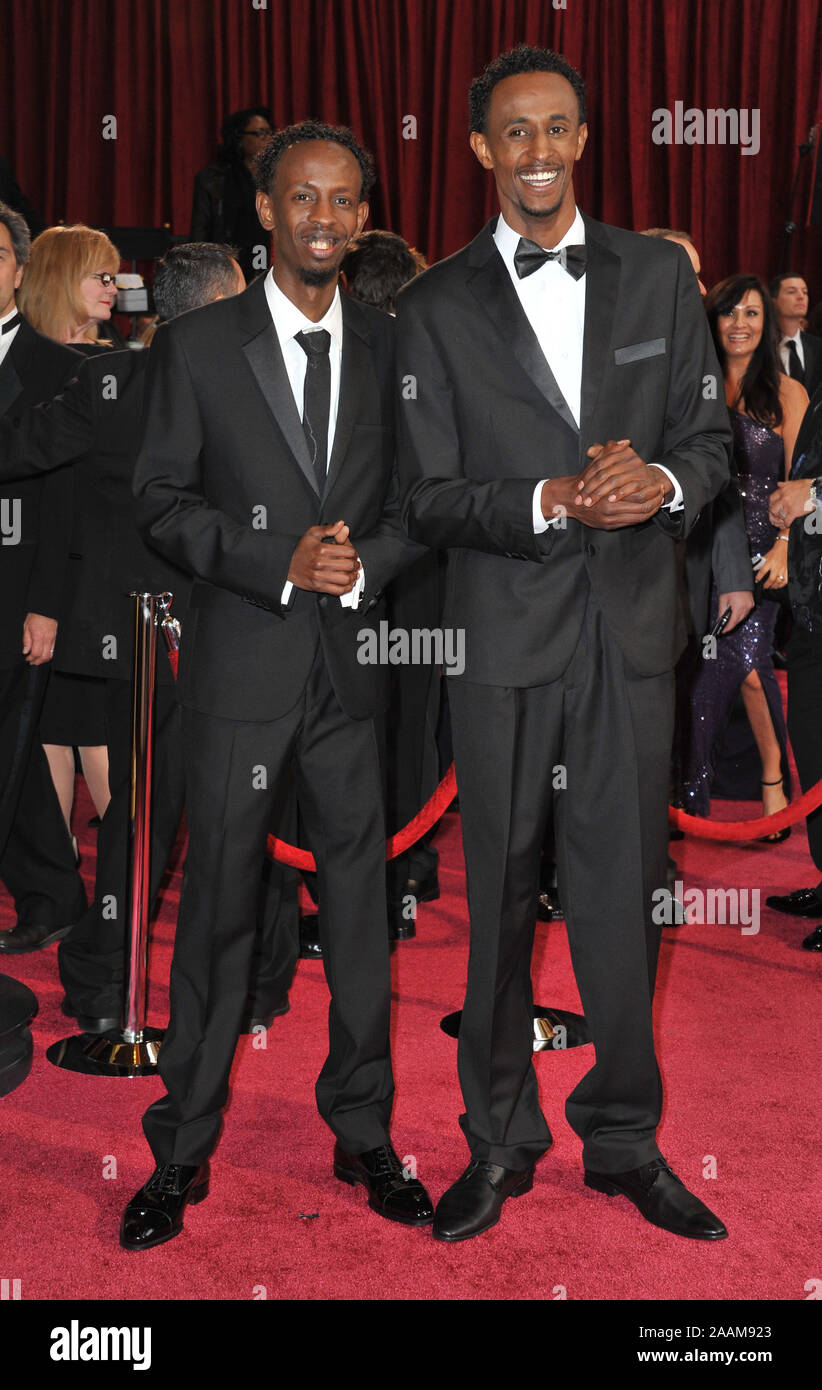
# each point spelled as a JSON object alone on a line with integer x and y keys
{"x": 226, "y": 490}
{"x": 32, "y": 572}
{"x": 95, "y": 421}
{"x": 812, "y": 351}
{"x": 482, "y": 421}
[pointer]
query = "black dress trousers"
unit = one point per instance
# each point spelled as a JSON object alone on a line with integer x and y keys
{"x": 236, "y": 778}
{"x": 590, "y": 750}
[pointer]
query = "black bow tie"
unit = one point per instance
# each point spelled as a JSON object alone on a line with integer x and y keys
{"x": 12, "y": 323}
{"x": 528, "y": 257}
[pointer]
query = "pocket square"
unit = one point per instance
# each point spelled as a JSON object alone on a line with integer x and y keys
{"x": 652, "y": 348}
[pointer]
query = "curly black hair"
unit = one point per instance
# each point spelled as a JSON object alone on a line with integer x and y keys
{"x": 265, "y": 165}
{"x": 511, "y": 64}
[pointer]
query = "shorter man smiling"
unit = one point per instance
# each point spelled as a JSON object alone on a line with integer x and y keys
{"x": 268, "y": 450}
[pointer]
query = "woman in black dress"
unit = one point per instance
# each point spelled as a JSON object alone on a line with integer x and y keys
{"x": 224, "y": 207}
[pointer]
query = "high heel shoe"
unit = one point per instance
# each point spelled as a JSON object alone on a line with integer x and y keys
{"x": 779, "y": 835}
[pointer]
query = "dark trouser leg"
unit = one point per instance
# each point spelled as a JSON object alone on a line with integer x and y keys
{"x": 36, "y": 858}
{"x": 506, "y": 742}
{"x": 611, "y": 831}
{"x": 232, "y": 773}
{"x": 340, "y": 795}
{"x": 277, "y": 946}
{"x": 92, "y": 958}
{"x": 804, "y": 714}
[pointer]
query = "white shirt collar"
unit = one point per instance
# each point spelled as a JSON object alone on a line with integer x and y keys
{"x": 507, "y": 239}
{"x": 289, "y": 320}
{"x": 793, "y": 338}
{"x": 9, "y": 315}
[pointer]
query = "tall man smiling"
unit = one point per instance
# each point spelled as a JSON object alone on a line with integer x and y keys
{"x": 268, "y": 417}
{"x": 567, "y": 421}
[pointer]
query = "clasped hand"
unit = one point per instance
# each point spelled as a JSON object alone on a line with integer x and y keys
{"x": 322, "y": 567}
{"x": 616, "y": 489}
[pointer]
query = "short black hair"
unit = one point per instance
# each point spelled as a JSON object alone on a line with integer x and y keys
{"x": 191, "y": 275}
{"x": 511, "y": 64}
{"x": 776, "y": 283}
{"x": 265, "y": 165}
{"x": 19, "y": 234}
{"x": 376, "y": 266}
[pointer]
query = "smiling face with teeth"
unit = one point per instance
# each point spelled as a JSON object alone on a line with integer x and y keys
{"x": 532, "y": 140}
{"x": 313, "y": 211}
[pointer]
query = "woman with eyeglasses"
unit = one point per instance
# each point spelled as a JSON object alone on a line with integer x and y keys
{"x": 67, "y": 294}
{"x": 224, "y": 207}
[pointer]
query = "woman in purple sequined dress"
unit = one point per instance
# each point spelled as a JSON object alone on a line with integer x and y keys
{"x": 766, "y": 408}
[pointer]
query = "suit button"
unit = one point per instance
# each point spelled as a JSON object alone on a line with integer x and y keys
{"x": 323, "y": 600}
{"x": 590, "y": 550}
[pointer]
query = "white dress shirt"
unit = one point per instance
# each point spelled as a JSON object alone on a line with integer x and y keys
{"x": 6, "y": 339}
{"x": 289, "y": 321}
{"x": 554, "y": 304}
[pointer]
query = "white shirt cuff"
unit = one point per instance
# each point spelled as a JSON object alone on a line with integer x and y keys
{"x": 286, "y": 593}
{"x": 352, "y": 598}
{"x": 676, "y": 503}
{"x": 543, "y": 523}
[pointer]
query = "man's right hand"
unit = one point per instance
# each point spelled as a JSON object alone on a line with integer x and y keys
{"x": 559, "y": 498}
{"x": 324, "y": 568}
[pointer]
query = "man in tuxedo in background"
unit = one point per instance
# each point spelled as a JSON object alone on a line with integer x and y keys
{"x": 36, "y": 858}
{"x": 562, "y": 420}
{"x": 800, "y": 353}
{"x": 796, "y": 508}
{"x": 267, "y": 472}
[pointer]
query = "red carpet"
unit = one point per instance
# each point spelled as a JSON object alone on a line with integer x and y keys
{"x": 738, "y": 1037}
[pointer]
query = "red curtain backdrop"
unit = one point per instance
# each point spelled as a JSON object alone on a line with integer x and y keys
{"x": 169, "y": 70}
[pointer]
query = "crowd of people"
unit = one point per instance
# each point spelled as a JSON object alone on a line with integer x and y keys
{"x": 516, "y": 442}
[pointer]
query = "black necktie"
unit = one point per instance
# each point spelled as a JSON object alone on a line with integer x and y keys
{"x": 12, "y": 322}
{"x": 795, "y": 368}
{"x": 528, "y": 257}
{"x": 317, "y": 398}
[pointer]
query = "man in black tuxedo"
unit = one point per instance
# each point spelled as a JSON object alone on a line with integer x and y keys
{"x": 796, "y": 507}
{"x": 267, "y": 472}
{"x": 800, "y": 353}
{"x": 36, "y": 857}
{"x": 561, "y": 421}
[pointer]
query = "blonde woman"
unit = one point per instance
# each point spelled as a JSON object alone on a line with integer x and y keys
{"x": 67, "y": 292}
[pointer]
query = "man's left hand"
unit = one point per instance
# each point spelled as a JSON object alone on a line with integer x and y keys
{"x": 616, "y": 473}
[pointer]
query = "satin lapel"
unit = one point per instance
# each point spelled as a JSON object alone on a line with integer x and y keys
{"x": 15, "y": 366}
{"x": 492, "y": 288}
{"x": 265, "y": 359}
{"x": 354, "y": 371}
{"x": 601, "y": 287}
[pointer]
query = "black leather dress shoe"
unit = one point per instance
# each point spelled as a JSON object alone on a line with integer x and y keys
{"x": 662, "y": 1198}
{"x": 389, "y": 1191}
{"x": 814, "y": 941}
{"x": 310, "y": 948}
{"x": 474, "y": 1202}
{"x": 425, "y": 890}
{"x": 803, "y": 902}
{"x": 155, "y": 1214}
{"x": 91, "y": 1023}
{"x": 30, "y": 936}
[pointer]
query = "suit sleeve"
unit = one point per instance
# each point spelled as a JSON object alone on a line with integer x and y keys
{"x": 173, "y": 513}
{"x": 730, "y": 551}
{"x": 50, "y": 434}
{"x": 697, "y": 433}
{"x": 441, "y": 507}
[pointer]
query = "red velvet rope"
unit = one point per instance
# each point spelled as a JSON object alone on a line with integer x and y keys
{"x": 436, "y": 804}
